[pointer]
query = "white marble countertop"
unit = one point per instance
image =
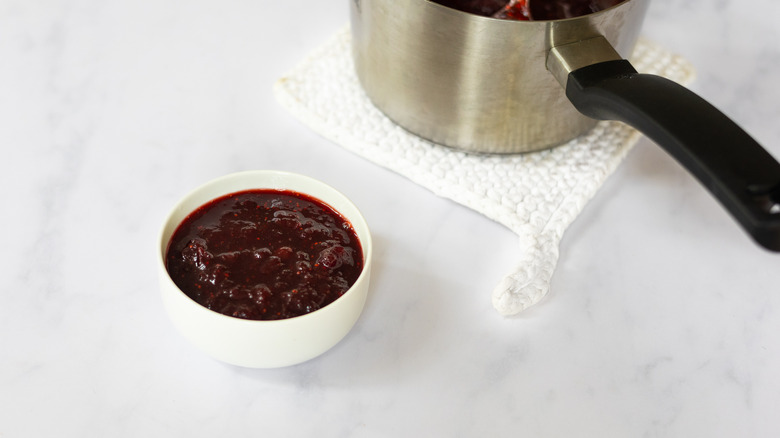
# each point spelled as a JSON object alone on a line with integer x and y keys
{"x": 663, "y": 319}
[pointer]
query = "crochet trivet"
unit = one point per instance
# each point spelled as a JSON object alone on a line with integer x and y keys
{"x": 536, "y": 195}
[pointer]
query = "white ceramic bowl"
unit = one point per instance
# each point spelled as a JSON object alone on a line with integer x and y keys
{"x": 264, "y": 344}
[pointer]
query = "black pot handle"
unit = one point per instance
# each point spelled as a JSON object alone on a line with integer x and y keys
{"x": 740, "y": 173}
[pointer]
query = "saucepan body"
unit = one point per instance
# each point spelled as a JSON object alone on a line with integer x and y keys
{"x": 476, "y": 83}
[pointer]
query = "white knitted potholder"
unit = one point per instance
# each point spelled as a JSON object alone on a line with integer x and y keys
{"x": 536, "y": 195}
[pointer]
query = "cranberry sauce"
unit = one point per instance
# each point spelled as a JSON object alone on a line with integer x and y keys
{"x": 486, "y": 8}
{"x": 264, "y": 254}
{"x": 530, "y": 9}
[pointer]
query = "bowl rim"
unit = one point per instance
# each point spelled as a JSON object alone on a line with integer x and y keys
{"x": 366, "y": 242}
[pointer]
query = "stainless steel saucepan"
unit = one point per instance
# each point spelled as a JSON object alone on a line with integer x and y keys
{"x": 487, "y": 85}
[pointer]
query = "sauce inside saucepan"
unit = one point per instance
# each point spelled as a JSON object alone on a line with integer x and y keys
{"x": 530, "y": 9}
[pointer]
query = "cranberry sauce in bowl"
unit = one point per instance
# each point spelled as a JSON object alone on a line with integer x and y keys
{"x": 264, "y": 254}
{"x": 264, "y": 269}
